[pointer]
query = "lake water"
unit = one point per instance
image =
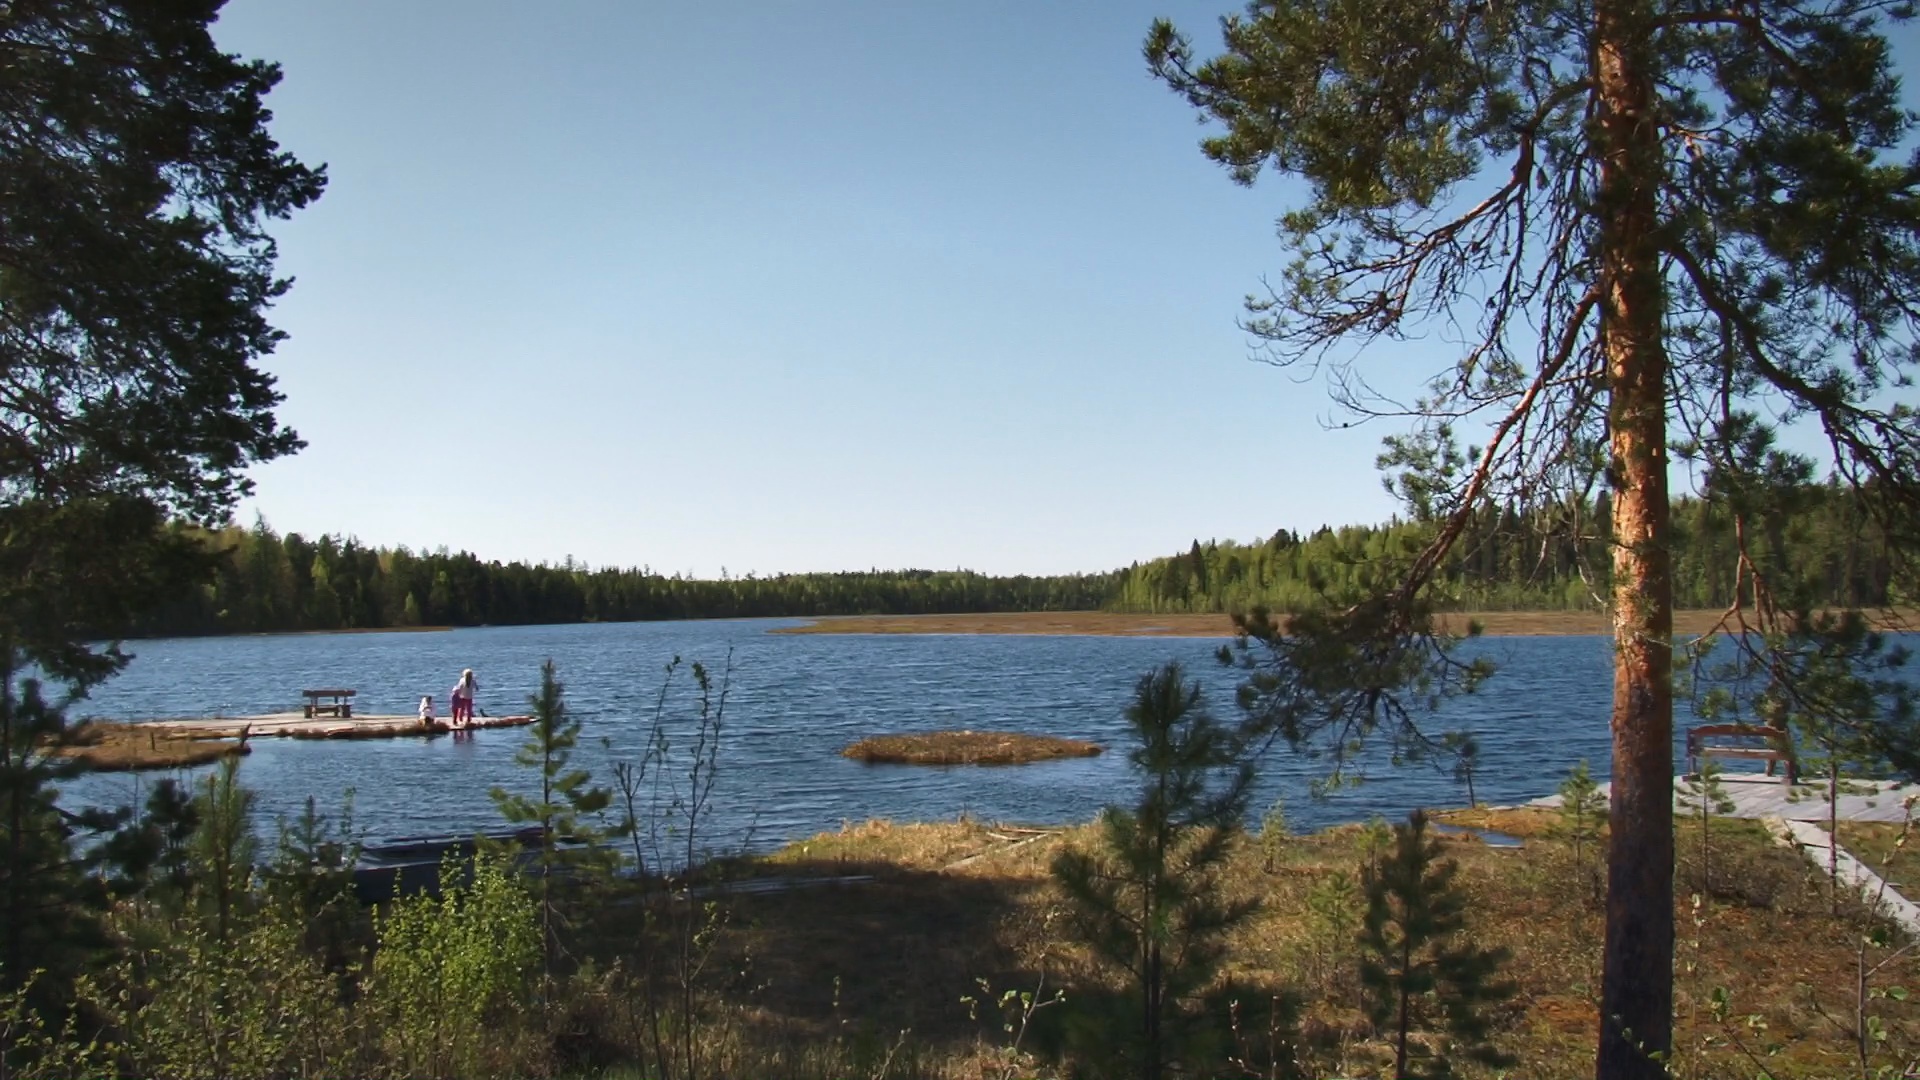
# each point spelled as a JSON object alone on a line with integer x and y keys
{"x": 795, "y": 701}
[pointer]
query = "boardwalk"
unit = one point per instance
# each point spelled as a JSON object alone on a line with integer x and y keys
{"x": 1797, "y": 818}
{"x": 1764, "y": 797}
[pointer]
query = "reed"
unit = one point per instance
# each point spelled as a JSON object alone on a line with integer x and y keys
{"x": 109, "y": 747}
{"x": 967, "y": 748}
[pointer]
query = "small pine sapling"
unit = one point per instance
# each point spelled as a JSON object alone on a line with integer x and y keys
{"x": 1414, "y": 962}
{"x": 311, "y": 875}
{"x": 1582, "y": 814}
{"x": 1333, "y": 923}
{"x": 1374, "y": 838}
{"x": 1148, "y": 900}
{"x": 222, "y": 849}
{"x": 1274, "y": 835}
{"x": 152, "y": 856}
{"x": 1703, "y": 796}
{"x": 565, "y": 809}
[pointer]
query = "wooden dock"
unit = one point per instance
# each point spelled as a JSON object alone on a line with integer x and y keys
{"x": 296, "y": 725}
{"x": 116, "y": 746}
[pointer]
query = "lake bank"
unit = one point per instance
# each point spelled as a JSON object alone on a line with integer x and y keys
{"x": 1135, "y": 624}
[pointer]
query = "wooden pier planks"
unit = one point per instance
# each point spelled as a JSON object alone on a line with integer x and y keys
{"x": 293, "y": 725}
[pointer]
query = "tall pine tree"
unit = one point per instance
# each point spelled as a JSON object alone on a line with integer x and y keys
{"x": 138, "y": 177}
{"x": 1644, "y": 225}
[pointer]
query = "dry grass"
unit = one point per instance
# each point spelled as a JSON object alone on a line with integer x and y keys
{"x": 108, "y": 747}
{"x": 1887, "y": 849}
{"x": 1525, "y": 822}
{"x": 1131, "y": 624}
{"x": 947, "y": 904}
{"x": 967, "y": 748}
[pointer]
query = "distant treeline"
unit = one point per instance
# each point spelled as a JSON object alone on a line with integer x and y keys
{"x": 1506, "y": 561}
{"x": 269, "y": 582}
{"x": 1824, "y": 553}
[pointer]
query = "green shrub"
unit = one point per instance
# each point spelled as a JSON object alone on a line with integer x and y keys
{"x": 453, "y": 975}
{"x": 1581, "y": 817}
{"x": 254, "y": 1003}
{"x": 30, "y": 1051}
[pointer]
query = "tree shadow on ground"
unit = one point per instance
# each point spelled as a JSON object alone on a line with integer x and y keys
{"x": 895, "y": 952}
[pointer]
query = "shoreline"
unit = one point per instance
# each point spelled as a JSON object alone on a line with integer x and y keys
{"x": 1133, "y": 624}
{"x": 337, "y": 630}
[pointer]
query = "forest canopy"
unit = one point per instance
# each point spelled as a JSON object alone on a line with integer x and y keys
{"x": 1509, "y": 561}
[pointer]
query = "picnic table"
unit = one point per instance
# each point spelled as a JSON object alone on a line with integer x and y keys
{"x": 340, "y": 703}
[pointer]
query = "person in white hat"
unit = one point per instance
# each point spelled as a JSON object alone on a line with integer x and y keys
{"x": 463, "y": 699}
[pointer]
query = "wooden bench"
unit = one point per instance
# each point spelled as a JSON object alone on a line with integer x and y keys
{"x": 1740, "y": 742}
{"x": 340, "y": 705}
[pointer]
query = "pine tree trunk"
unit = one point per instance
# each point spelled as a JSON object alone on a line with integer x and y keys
{"x": 1636, "y": 998}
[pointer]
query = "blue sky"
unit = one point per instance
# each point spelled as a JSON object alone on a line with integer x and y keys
{"x": 777, "y": 287}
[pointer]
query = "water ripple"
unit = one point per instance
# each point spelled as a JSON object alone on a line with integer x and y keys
{"x": 794, "y": 702}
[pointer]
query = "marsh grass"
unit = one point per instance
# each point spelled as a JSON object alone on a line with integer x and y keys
{"x": 1875, "y": 843}
{"x": 111, "y": 747}
{"x": 951, "y": 903}
{"x": 967, "y": 748}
